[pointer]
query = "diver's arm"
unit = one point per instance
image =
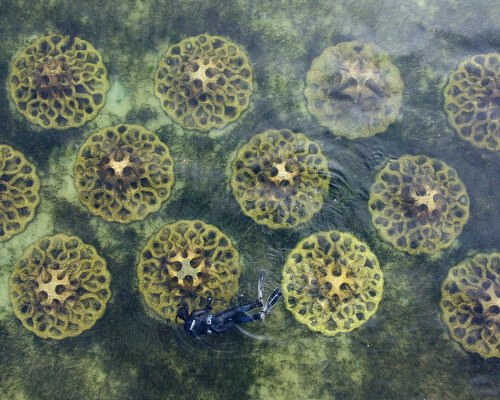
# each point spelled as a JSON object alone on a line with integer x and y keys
{"x": 198, "y": 313}
{"x": 206, "y": 310}
{"x": 203, "y": 311}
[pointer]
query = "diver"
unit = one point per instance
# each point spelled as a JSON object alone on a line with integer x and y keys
{"x": 201, "y": 322}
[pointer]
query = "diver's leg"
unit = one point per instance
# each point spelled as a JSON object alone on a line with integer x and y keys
{"x": 270, "y": 302}
{"x": 235, "y": 320}
{"x": 231, "y": 312}
{"x": 225, "y": 320}
{"x": 220, "y": 325}
{"x": 224, "y": 325}
{"x": 241, "y": 319}
{"x": 260, "y": 285}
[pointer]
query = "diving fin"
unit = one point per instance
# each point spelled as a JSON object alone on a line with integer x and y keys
{"x": 260, "y": 285}
{"x": 272, "y": 300}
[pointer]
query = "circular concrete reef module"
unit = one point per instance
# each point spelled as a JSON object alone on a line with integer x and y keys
{"x": 472, "y": 100}
{"x": 280, "y": 178}
{"x": 204, "y": 82}
{"x": 332, "y": 282}
{"x": 354, "y": 90}
{"x": 123, "y": 173}
{"x": 418, "y": 204}
{"x": 19, "y": 192}
{"x": 59, "y": 82}
{"x": 184, "y": 263}
{"x": 59, "y": 287}
{"x": 470, "y": 301}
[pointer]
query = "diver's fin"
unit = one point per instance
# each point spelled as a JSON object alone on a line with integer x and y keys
{"x": 272, "y": 300}
{"x": 260, "y": 285}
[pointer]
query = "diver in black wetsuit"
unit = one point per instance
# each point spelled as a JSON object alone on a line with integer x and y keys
{"x": 201, "y": 322}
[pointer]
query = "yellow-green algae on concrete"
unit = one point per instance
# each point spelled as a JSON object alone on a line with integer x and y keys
{"x": 183, "y": 264}
{"x": 19, "y": 192}
{"x": 472, "y": 100}
{"x": 59, "y": 82}
{"x": 204, "y": 82}
{"x": 123, "y": 173}
{"x": 470, "y": 302}
{"x": 280, "y": 178}
{"x": 419, "y": 204}
{"x": 354, "y": 90}
{"x": 59, "y": 287}
{"x": 332, "y": 282}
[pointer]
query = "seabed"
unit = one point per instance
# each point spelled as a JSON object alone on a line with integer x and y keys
{"x": 403, "y": 352}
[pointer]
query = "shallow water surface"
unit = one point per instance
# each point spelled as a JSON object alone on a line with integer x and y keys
{"x": 404, "y": 351}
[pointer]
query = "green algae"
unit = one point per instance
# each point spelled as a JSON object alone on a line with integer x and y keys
{"x": 403, "y": 352}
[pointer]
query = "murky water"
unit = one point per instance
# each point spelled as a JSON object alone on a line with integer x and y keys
{"x": 403, "y": 352}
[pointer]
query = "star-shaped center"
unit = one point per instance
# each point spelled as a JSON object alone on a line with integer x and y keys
{"x": 117, "y": 164}
{"x": 283, "y": 174}
{"x": 53, "y": 287}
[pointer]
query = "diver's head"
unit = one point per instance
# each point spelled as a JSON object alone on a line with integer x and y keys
{"x": 182, "y": 313}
